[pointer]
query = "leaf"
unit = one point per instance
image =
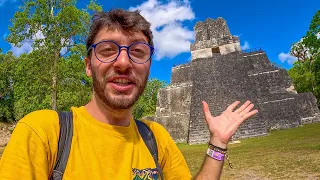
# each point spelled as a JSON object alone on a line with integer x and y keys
{"x": 44, "y": 79}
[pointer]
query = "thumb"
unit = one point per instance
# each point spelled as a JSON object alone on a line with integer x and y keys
{"x": 206, "y": 110}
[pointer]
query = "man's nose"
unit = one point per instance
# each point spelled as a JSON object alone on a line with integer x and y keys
{"x": 123, "y": 61}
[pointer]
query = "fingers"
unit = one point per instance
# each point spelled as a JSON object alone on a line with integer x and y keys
{"x": 206, "y": 110}
{"x": 249, "y": 114}
{"x": 243, "y": 107}
{"x": 232, "y": 106}
{"x": 246, "y": 110}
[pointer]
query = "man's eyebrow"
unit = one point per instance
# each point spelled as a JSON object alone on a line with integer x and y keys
{"x": 133, "y": 40}
{"x": 109, "y": 39}
{"x": 138, "y": 40}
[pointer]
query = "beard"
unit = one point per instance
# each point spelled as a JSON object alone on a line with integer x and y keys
{"x": 116, "y": 99}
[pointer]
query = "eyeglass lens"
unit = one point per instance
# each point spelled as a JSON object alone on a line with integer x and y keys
{"x": 108, "y": 51}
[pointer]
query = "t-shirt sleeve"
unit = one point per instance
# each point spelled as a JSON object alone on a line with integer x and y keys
{"x": 171, "y": 160}
{"x": 28, "y": 156}
{"x": 25, "y": 156}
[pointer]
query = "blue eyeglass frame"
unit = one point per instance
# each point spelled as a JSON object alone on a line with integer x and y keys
{"x": 93, "y": 46}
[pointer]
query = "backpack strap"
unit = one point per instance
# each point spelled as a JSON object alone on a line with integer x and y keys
{"x": 150, "y": 141}
{"x": 64, "y": 146}
{"x": 65, "y": 140}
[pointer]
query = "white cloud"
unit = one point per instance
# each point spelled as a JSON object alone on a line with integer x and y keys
{"x": 26, "y": 47}
{"x": 38, "y": 35}
{"x": 65, "y": 49}
{"x": 300, "y": 50}
{"x": 286, "y": 57}
{"x": 170, "y": 37}
{"x": 172, "y": 40}
{"x": 245, "y": 46}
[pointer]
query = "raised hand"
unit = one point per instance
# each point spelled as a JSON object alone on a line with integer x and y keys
{"x": 223, "y": 127}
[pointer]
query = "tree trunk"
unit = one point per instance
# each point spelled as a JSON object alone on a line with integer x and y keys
{"x": 54, "y": 81}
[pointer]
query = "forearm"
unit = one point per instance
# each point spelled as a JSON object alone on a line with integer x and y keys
{"x": 211, "y": 168}
{"x": 222, "y": 128}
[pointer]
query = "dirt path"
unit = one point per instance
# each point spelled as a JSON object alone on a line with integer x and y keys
{"x": 5, "y": 132}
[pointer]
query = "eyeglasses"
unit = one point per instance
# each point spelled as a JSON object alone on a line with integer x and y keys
{"x": 109, "y": 51}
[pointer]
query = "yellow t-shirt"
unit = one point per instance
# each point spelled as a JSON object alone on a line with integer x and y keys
{"x": 98, "y": 150}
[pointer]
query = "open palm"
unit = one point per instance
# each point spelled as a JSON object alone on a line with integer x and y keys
{"x": 223, "y": 127}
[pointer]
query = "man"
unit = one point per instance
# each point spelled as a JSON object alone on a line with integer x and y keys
{"x": 106, "y": 143}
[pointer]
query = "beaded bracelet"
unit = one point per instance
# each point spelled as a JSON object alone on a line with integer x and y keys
{"x": 211, "y": 146}
{"x": 219, "y": 152}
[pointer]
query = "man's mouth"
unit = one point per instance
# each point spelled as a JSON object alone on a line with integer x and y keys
{"x": 122, "y": 81}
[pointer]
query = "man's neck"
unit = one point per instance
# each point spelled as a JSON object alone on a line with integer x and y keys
{"x": 105, "y": 114}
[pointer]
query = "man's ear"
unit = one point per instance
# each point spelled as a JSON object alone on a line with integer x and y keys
{"x": 88, "y": 66}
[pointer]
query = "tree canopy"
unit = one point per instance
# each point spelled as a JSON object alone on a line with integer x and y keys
{"x": 146, "y": 104}
{"x": 52, "y": 76}
{"x": 305, "y": 72}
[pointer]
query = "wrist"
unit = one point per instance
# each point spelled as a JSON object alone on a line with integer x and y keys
{"x": 215, "y": 141}
{"x": 215, "y": 154}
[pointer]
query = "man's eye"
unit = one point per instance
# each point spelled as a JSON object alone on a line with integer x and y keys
{"x": 107, "y": 49}
{"x": 137, "y": 50}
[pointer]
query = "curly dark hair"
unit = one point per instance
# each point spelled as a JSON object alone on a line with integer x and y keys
{"x": 119, "y": 19}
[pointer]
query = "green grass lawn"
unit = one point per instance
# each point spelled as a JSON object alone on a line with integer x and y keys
{"x": 285, "y": 154}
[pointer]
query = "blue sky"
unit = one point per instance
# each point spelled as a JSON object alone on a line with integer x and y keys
{"x": 272, "y": 25}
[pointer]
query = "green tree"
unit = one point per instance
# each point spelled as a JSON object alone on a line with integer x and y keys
{"x": 146, "y": 104}
{"x": 299, "y": 51}
{"x": 74, "y": 87}
{"x": 6, "y": 87}
{"x": 302, "y": 77}
{"x": 52, "y": 26}
{"x": 305, "y": 73}
{"x": 52, "y": 76}
{"x": 311, "y": 39}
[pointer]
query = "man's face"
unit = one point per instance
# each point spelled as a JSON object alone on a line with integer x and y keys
{"x": 118, "y": 84}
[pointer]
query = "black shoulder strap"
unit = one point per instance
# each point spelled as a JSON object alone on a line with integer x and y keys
{"x": 150, "y": 141}
{"x": 65, "y": 140}
{"x": 64, "y": 146}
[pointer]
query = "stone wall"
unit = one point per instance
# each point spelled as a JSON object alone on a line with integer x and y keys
{"x": 212, "y": 33}
{"x": 308, "y": 108}
{"x": 258, "y": 62}
{"x": 173, "y": 110}
{"x": 181, "y": 74}
{"x": 220, "y": 81}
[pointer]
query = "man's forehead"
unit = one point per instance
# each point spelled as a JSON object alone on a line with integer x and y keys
{"x": 120, "y": 36}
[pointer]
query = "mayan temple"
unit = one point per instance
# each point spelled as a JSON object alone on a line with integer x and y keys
{"x": 220, "y": 73}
